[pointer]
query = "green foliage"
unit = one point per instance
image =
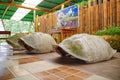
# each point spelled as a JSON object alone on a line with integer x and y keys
{"x": 115, "y": 43}
{"x": 84, "y": 3}
{"x": 18, "y": 26}
{"x": 114, "y": 30}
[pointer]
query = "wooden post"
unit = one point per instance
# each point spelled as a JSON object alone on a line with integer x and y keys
{"x": 118, "y": 12}
{"x": 113, "y": 14}
{"x": 105, "y": 13}
{"x": 79, "y": 26}
{"x": 108, "y": 13}
{"x": 36, "y": 24}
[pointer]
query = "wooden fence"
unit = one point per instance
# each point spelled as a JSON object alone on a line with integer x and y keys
{"x": 47, "y": 22}
{"x": 98, "y": 15}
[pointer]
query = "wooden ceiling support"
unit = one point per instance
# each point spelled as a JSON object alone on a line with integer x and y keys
{"x": 58, "y": 6}
{"x": 20, "y": 6}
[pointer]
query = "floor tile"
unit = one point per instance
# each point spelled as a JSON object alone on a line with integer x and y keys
{"x": 50, "y": 77}
{"x": 63, "y": 68}
{"x": 26, "y": 77}
{"x": 46, "y": 76}
{"x": 53, "y": 71}
{"x": 95, "y": 77}
{"x": 18, "y": 71}
{"x": 39, "y": 66}
{"x": 8, "y": 63}
{"x": 41, "y": 74}
{"x": 83, "y": 74}
{"x": 62, "y": 74}
{"x": 5, "y": 74}
{"x": 72, "y": 71}
{"x": 19, "y": 56}
{"x": 73, "y": 77}
{"x": 27, "y": 60}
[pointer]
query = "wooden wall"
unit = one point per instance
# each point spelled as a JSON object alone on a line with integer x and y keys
{"x": 91, "y": 18}
{"x": 118, "y": 12}
{"x": 47, "y": 22}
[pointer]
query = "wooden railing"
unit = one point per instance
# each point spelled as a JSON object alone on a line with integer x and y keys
{"x": 6, "y": 34}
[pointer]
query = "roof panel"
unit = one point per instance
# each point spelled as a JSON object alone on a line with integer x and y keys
{"x": 43, "y": 7}
{"x": 2, "y": 6}
{"x": 39, "y": 13}
{"x": 9, "y": 13}
{"x": 31, "y": 14}
{"x": 7, "y": 17}
{"x": 18, "y": 2}
{"x": 13, "y": 8}
{"x": 0, "y": 16}
{"x": 1, "y": 11}
{"x": 5, "y": 0}
{"x": 46, "y": 4}
{"x": 27, "y": 19}
{"x": 56, "y": 1}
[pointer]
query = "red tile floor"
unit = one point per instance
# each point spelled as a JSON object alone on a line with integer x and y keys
{"x": 51, "y": 66}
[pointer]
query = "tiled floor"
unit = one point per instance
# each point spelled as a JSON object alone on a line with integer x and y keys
{"x": 109, "y": 69}
{"x": 63, "y": 73}
{"x": 42, "y": 67}
{"x": 33, "y": 68}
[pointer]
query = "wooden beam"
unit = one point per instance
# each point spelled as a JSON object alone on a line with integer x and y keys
{"x": 58, "y": 6}
{"x": 20, "y": 6}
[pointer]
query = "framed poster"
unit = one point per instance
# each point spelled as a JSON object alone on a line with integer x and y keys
{"x": 68, "y": 17}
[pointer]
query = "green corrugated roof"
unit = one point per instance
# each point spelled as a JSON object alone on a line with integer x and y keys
{"x": 46, "y": 5}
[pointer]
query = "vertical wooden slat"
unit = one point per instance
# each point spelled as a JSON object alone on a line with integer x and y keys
{"x": 39, "y": 26}
{"x": 94, "y": 16}
{"x": 54, "y": 19}
{"x": 105, "y": 13}
{"x": 89, "y": 17}
{"x": 49, "y": 23}
{"x": 100, "y": 15}
{"x": 97, "y": 18}
{"x": 81, "y": 19}
{"x": 86, "y": 21}
{"x": 108, "y": 13}
{"x": 118, "y": 12}
{"x": 43, "y": 24}
{"x": 115, "y": 12}
{"x": 79, "y": 15}
{"x": 113, "y": 17}
{"x": 36, "y": 24}
{"x": 91, "y": 20}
